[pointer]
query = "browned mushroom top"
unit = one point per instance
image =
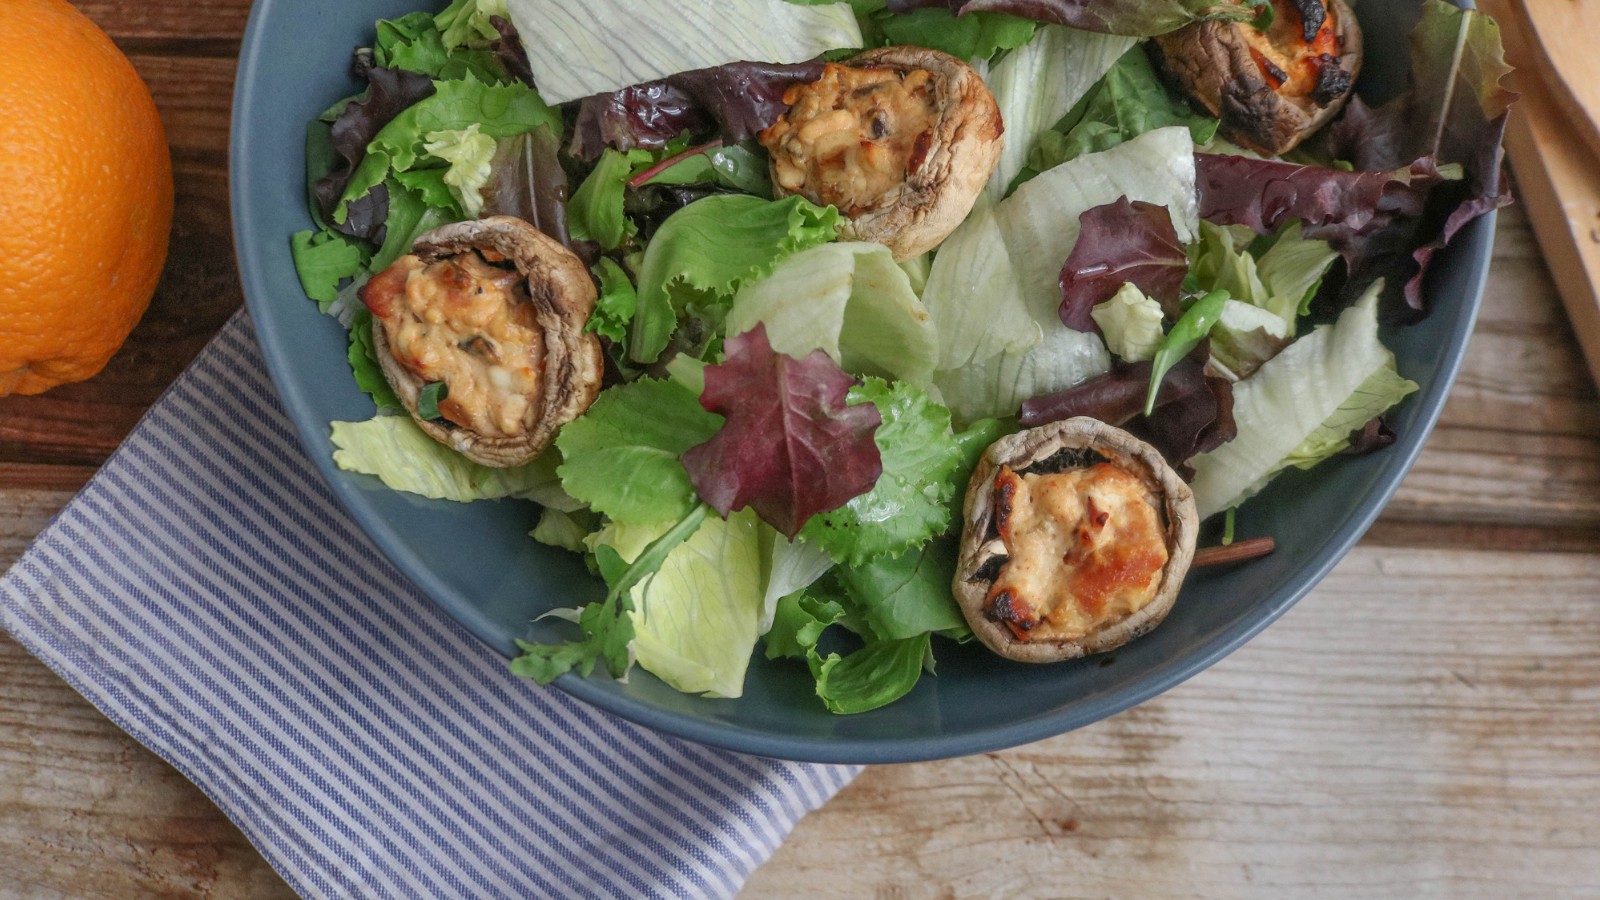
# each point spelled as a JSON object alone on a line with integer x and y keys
{"x": 901, "y": 140}
{"x": 493, "y": 311}
{"x": 1076, "y": 539}
{"x": 1271, "y": 88}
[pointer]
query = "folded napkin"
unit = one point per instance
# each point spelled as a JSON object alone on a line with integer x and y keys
{"x": 206, "y": 593}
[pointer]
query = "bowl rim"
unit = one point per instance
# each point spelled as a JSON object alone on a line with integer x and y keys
{"x": 280, "y": 366}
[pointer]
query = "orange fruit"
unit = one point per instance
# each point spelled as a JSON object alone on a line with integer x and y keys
{"x": 85, "y": 196}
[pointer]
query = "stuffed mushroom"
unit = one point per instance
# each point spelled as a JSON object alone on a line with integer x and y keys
{"x": 901, "y": 140}
{"x": 1077, "y": 537}
{"x": 1271, "y": 88}
{"x": 479, "y": 330}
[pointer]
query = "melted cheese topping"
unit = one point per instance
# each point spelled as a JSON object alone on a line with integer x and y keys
{"x": 853, "y": 136}
{"x": 1292, "y": 66}
{"x": 469, "y": 324}
{"x": 1086, "y": 548}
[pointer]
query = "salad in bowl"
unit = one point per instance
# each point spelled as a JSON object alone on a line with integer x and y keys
{"x": 836, "y": 336}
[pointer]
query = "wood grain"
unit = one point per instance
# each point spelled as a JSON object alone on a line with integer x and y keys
{"x": 85, "y": 811}
{"x": 1558, "y": 173}
{"x": 1559, "y": 44}
{"x": 1418, "y": 727}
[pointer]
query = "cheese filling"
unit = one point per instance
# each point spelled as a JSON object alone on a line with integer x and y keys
{"x": 468, "y": 323}
{"x": 1085, "y": 548}
{"x": 854, "y": 135}
{"x": 1293, "y": 67}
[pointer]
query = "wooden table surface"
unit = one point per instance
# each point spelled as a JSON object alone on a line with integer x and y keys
{"x": 1426, "y": 723}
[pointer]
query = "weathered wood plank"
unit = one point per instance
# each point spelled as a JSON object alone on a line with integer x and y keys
{"x": 1451, "y": 752}
{"x": 85, "y": 811}
{"x": 193, "y": 20}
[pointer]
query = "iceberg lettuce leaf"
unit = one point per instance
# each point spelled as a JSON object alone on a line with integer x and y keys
{"x": 988, "y": 365}
{"x": 696, "y": 620}
{"x": 1290, "y": 399}
{"x": 849, "y": 300}
{"x": 395, "y": 450}
{"x": 582, "y": 47}
{"x": 1036, "y": 86}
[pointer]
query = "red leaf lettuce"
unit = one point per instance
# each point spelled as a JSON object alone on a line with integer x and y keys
{"x": 791, "y": 447}
{"x": 1121, "y": 243}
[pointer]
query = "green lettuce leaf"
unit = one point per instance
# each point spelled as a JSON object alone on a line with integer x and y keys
{"x": 499, "y": 110}
{"x": 710, "y": 249}
{"x": 1131, "y": 100}
{"x": 696, "y": 620}
{"x": 601, "y": 46}
{"x": 742, "y": 167}
{"x": 595, "y": 212}
{"x": 323, "y": 259}
{"x": 624, "y": 456}
{"x": 791, "y": 566}
{"x": 410, "y": 42}
{"x": 798, "y": 624}
{"x": 972, "y": 36}
{"x": 566, "y": 530}
{"x": 1289, "y": 409}
{"x": 607, "y": 627}
{"x": 898, "y": 598}
{"x": 395, "y": 450}
{"x": 615, "y": 307}
{"x": 848, "y": 299}
{"x": 1378, "y": 394}
{"x": 364, "y": 363}
{"x": 872, "y": 677}
{"x": 468, "y": 20}
{"x": 909, "y": 503}
{"x": 470, "y": 154}
{"x": 410, "y": 217}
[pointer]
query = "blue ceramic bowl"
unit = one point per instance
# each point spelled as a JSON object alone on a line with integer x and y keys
{"x": 477, "y": 562}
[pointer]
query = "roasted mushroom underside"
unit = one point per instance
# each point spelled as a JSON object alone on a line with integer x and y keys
{"x": 563, "y": 295}
{"x": 1214, "y": 65}
{"x": 948, "y": 168}
{"x": 1072, "y": 443}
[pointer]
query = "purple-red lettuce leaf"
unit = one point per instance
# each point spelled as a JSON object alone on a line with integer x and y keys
{"x": 1193, "y": 415}
{"x": 1121, "y": 243}
{"x": 1335, "y": 205}
{"x": 731, "y": 102}
{"x": 1134, "y": 18}
{"x": 791, "y": 446}
{"x": 1453, "y": 116}
{"x": 1373, "y": 436}
{"x": 527, "y": 181}
{"x": 389, "y": 93}
{"x": 510, "y": 52}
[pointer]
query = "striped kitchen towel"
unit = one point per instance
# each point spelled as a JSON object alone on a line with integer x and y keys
{"x": 206, "y": 593}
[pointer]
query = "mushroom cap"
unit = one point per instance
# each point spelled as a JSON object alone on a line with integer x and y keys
{"x": 1210, "y": 63}
{"x": 563, "y": 296}
{"x": 1057, "y": 447}
{"x": 936, "y": 196}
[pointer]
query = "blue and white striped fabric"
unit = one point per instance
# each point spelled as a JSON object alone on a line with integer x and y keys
{"x": 205, "y": 592}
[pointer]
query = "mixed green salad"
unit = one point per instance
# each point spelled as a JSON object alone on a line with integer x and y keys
{"x": 778, "y": 459}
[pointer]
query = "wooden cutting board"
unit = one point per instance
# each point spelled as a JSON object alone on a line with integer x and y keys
{"x": 1554, "y": 144}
